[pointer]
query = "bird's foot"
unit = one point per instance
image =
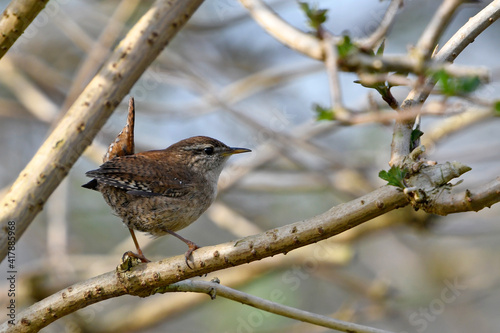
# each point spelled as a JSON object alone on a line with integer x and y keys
{"x": 139, "y": 256}
{"x": 129, "y": 260}
{"x": 192, "y": 248}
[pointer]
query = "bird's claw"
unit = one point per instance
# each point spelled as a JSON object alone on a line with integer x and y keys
{"x": 187, "y": 255}
{"x": 131, "y": 254}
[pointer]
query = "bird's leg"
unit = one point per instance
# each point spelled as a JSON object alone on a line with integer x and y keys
{"x": 139, "y": 255}
{"x": 192, "y": 246}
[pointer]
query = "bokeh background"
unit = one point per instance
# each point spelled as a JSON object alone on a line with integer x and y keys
{"x": 223, "y": 76}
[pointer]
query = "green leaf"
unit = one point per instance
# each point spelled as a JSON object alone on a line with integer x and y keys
{"x": 468, "y": 84}
{"x": 416, "y": 134}
{"x": 452, "y": 86}
{"x": 497, "y": 107}
{"x": 443, "y": 80}
{"x": 345, "y": 47}
{"x": 394, "y": 176}
{"x": 315, "y": 15}
{"x": 381, "y": 48}
{"x": 323, "y": 113}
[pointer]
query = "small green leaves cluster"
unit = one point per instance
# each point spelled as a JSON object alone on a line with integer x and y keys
{"x": 453, "y": 86}
{"x": 496, "y": 107}
{"x": 323, "y": 113}
{"x": 394, "y": 176}
{"x": 346, "y": 47}
{"x": 316, "y": 17}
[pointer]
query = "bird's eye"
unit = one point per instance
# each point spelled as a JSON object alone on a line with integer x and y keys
{"x": 209, "y": 150}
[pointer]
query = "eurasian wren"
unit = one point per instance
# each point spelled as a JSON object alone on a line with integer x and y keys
{"x": 163, "y": 191}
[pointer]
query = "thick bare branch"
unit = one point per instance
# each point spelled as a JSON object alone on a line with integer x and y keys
{"x": 146, "y": 279}
{"x": 89, "y": 112}
{"x": 469, "y": 200}
{"x": 15, "y": 19}
{"x": 143, "y": 280}
{"x": 146, "y": 314}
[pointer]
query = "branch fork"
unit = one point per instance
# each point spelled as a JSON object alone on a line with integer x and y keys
{"x": 426, "y": 182}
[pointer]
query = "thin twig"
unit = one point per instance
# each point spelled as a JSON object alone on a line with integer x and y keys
{"x": 281, "y": 137}
{"x": 454, "y": 124}
{"x": 159, "y": 309}
{"x": 369, "y": 42}
{"x": 243, "y": 88}
{"x": 331, "y": 60}
{"x": 214, "y": 289}
{"x": 282, "y": 31}
{"x": 384, "y": 64}
{"x": 435, "y": 28}
{"x": 57, "y": 229}
{"x": 27, "y": 93}
{"x": 392, "y": 79}
{"x": 410, "y": 114}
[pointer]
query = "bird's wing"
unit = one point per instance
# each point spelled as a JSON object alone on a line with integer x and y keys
{"x": 138, "y": 175}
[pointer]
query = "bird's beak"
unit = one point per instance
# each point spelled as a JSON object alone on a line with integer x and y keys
{"x": 234, "y": 150}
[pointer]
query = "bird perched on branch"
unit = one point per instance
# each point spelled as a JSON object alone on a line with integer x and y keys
{"x": 161, "y": 191}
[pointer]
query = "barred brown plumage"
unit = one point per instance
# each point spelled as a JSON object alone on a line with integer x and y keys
{"x": 163, "y": 191}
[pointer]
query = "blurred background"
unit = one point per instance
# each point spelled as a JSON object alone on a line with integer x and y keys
{"x": 223, "y": 76}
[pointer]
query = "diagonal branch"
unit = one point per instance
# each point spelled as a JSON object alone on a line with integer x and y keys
{"x": 145, "y": 279}
{"x": 15, "y": 19}
{"x": 90, "y": 111}
{"x": 469, "y": 32}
